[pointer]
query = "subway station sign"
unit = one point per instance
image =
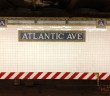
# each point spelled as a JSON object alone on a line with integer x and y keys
{"x": 48, "y": 45}
{"x": 52, "y": 36}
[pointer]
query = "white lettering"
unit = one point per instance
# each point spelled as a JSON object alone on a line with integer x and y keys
{"x": 47, "y": 36}
{"x": 74, "y": 36}
{"x": 25, "y": 36}
{"x": 52, "y": 35}
{"x": 80, "y": 36}
{"x": 30, "y": 35}
{"x": 69, "y": 36}
{"x": 41, "y": 36}
{"x": 2, "y": 23}
{"x": 58, "y": 36}
{"x": 34, "y": 36}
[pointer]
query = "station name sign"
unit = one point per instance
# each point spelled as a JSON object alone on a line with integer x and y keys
{"x": 52, "y": 36}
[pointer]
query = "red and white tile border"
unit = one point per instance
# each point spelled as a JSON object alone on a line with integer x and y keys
{"x": 55, "y": 75}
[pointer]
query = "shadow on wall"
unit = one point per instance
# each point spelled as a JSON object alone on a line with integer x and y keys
{"x": 55, "y": 8}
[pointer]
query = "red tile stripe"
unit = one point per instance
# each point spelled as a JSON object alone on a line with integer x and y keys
{"x": 108, "y": 78}
{"x": 2, "y": 73}
{"x": 28, "y": 75}
{"x": 10, "y": 74}
{"x": 46, "y": 76}
{"x": 65, "y": 75}
{"x": 102, "y": 75}
{"x": 92, "y": 76}
{"x": 74, "y": 75}
{"x": 56, "y": 75}
{"x": 83, "y": 75}
{"x": 37, "y": 75}
{"x": 19, "y": 75}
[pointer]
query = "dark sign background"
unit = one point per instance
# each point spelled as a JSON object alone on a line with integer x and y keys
{"x": 51, "y": 36}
